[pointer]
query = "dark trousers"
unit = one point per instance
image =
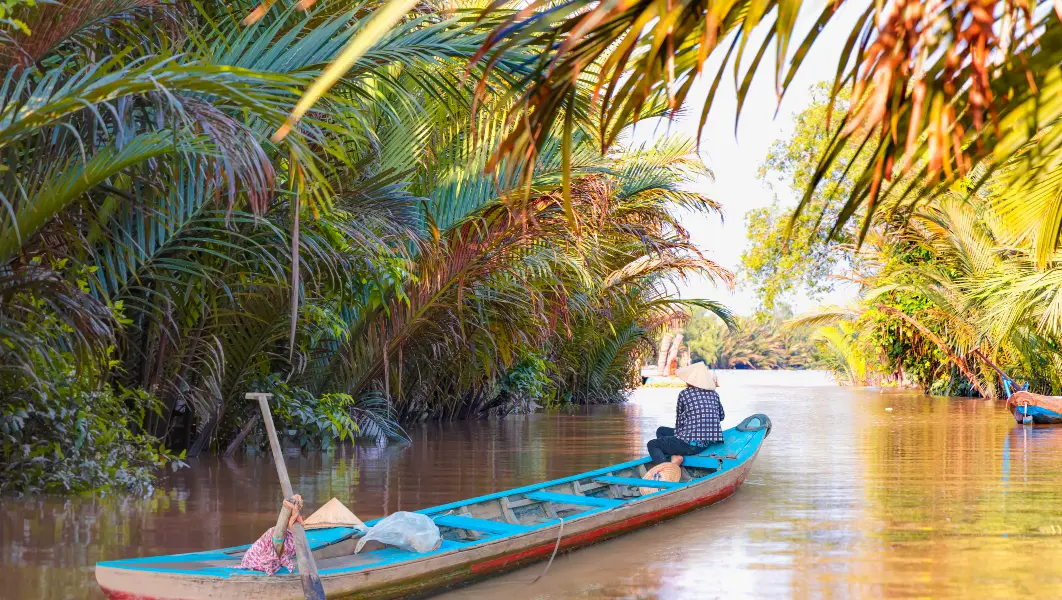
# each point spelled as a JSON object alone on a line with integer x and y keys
{"x": 666, "y": 444}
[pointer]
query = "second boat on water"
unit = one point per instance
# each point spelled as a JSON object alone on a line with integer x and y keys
{"x": 481, "y": 537}
{"x": 1038, "y": 409}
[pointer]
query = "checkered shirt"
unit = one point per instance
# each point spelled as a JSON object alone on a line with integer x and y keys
{"x": 698, "y": 418}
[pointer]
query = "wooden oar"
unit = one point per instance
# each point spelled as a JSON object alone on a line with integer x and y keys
{"x": 984, "y": 358}
{"x": 1007, "y": 381}
{"x": 311, "y": 581}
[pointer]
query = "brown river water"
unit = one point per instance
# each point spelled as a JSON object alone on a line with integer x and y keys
{"x": 935, "y": 498}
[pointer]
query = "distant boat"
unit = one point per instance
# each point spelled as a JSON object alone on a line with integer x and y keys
{"x": 652, "y": 376}
{"x": 1028, "y": 408}
{"x": 648, "y": 373}
{"x": 1036, "y": 408}
{"x": 481, "y": 537}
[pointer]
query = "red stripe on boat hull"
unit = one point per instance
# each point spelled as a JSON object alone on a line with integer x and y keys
{"x": 118, "y": 595}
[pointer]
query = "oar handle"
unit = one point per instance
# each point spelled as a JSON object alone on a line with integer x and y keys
{"x": 1008, "y": 383}
{"x": 991, "y": 364}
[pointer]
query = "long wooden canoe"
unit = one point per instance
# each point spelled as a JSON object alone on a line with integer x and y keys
{"x": 1037, "y": 408}
{"x": 481, "y": 537}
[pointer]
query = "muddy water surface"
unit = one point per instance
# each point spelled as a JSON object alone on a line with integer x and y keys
{"x": 937, "y": 497}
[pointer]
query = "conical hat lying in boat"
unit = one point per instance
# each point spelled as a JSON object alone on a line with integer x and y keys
{"x": 1052, "y": 403}
{"x": 333, "y": 514}
{"x": 662, "y": 472}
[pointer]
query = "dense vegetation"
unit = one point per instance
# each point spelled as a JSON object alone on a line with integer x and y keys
{"x": 160, "y": 256}
{"x": 450, "y": 216}
{"x": 946, "y": 290}
{"x": 761, "y": 341}
{"x": 934, "y": 105}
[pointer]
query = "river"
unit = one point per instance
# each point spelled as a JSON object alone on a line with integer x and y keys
{"x": 935, "y": 497}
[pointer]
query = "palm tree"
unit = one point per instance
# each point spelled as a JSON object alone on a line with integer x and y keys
{"x": 938, "y": 88}
{"x": 845, "y": 353}
{"x": 495, "y": 284}
{"x": 951, "y": 280}
{"x": 368, "y": 255}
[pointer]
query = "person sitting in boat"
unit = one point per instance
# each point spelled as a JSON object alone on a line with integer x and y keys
{"x": 697, "y": 419}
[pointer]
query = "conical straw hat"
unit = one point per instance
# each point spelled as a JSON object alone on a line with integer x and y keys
{"x": 698, "y": 375}
{"x": 662, "y": 472}
{"x": 333, "y": 514}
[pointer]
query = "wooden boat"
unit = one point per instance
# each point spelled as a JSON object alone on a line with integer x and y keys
{"x": 1028, "y": 407}
{"x": 481, "y": 537}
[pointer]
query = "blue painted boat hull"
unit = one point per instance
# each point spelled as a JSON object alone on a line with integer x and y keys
{"x": 1038, "y": 415}
{"x": 481, "y": 537}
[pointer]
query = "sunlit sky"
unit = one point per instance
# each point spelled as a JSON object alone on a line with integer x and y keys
{"x": 736, "y": 161}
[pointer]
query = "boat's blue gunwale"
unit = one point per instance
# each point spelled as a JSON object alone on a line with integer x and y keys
{"x": 530, "y": 488}
{"x": 143, "y": 564}
{"x": 741, "y": 455}
{"x": 603, "y": 471}
{"x": 224, "y": 553}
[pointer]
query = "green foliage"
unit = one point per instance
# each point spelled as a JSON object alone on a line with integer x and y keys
{"x": 944, "y": 301}
{"x": 924, "y": 111}
{"x": 901, "y": 346}
{"x": 704, "y": 337}
{"x": 529, "y": 377}
{"x": 8, "y": 19}
{"x": 313, "y": 422}
{"x": 843, "y": 352}
{"x": 920, "y": 316}
{"x": 789, "y": 252}
{"x": 62, "y": 428}
{"x": 62, "y": 432}
{"x": 779, "y": 263}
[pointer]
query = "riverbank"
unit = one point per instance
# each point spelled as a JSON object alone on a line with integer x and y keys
{"x": 938, "y": 497}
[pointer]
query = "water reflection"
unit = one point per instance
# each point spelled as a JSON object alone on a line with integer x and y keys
{"x": 934, "y": 498}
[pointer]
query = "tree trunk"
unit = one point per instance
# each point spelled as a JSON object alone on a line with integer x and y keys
{"x": 203, "y": 440}
{"x": 661, "y": 355}
{"x": 672, "y": 354}
{"x": 241, "y": 436}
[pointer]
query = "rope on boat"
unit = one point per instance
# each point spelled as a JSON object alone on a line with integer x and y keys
{"x": 556, "y": 547}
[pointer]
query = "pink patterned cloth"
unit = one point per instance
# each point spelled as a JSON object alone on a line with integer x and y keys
{"x": 261, "y": 557}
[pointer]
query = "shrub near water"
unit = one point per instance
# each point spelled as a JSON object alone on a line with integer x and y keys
{"x": 317, "y": 422}
{"x": 62, "y": 433}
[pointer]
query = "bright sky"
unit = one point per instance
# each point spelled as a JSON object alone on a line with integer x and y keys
{"x": 736, "y": 161}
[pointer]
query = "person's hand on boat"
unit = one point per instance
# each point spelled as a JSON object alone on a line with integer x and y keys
{"x": 295, "y": 508}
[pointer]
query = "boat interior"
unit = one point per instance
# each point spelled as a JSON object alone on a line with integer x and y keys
{"x": 480, "y": 520}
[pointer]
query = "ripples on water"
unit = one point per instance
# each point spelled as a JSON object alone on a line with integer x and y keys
{"x": 938, "y": 497}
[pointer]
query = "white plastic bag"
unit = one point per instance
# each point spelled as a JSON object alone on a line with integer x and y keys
{"x": 405, "y": 530}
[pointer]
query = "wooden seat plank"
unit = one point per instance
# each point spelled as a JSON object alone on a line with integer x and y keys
{"x": 701, "y": 462}
{"x": 635, "y": 482}
{"x": 484, "y": 525}
{"x": 573, "y": 499}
